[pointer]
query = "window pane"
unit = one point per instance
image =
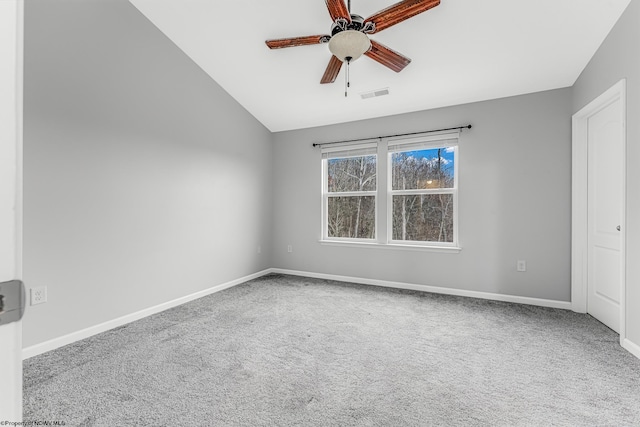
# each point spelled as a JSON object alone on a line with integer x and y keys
{"x": 352, "y": 217}
{"x": 423, "y": 218}
{"x": 352, "y": 174}
{"x": 420, "y": 169}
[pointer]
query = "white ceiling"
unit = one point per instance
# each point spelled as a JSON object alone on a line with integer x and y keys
{"x": 462, "y": 51}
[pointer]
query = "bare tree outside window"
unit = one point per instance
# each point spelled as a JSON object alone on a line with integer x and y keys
{"x": 422, "y": 206}
{"x": 426, "y": 218}
{"x": 350, "y": 204}
{"x": 419, "y": 193}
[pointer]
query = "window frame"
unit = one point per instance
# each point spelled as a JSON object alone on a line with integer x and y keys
{"x": 350, "y": 152}
{"x": 424, "y": 144}
{"x": 383, "y": 195}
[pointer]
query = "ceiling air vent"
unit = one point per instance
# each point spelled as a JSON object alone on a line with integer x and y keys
{"x": 374, "y": 93}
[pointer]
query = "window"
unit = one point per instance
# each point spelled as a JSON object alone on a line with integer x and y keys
{"x": 418, "y": 204}
{"x": 350, "y": 192}
{"x": 422, "y": 193}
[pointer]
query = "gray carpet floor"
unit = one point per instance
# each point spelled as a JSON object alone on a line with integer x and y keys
{"x": 291, "y": 351}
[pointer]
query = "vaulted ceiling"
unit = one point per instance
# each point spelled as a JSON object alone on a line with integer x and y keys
{"x": 462, "y": 51}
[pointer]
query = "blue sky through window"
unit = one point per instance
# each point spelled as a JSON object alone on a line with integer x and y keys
{"x": 447, "y": 154}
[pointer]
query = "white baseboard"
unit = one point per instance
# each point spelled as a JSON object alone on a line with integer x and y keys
{"x": 631, "y": 347}
{"x": 46, "y": 346}
{"x": 103, "y": 327}
{"x": 434, "y": 289}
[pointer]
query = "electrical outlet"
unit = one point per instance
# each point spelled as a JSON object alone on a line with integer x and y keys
{"x": 38, "y": 295}
{"x": 259, "y": 249}
{"x": 289, "y": 248}
{"x": 521, "y": 265}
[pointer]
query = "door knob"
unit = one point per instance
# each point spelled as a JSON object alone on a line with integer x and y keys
{"x": 618, "y": 228}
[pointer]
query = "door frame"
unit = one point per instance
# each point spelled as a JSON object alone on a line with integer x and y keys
{"x": 579, "y": 206}
{"x": 11, "y": 87}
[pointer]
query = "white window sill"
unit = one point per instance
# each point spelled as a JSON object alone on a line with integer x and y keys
{"x": 393, "y": 246}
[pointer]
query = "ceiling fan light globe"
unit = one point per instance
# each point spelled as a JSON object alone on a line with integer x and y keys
{"x": 349, "y": 44}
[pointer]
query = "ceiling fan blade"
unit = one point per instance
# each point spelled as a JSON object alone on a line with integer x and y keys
{"x": 337, "y": 9}
{"x": 332, "y": 70}
{"x": 400, "y": 11}
{"x": 387, "y": 57}
{"x": 297, "y": 41}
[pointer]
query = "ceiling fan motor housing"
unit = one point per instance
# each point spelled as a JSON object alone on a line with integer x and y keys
{"x": 356, "y": 24}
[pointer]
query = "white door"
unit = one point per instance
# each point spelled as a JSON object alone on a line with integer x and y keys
{"x": 10, "y": 228}
{"x": 605, "y": 203}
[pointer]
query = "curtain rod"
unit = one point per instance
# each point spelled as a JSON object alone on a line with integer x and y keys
{"x": 320, "y": 144}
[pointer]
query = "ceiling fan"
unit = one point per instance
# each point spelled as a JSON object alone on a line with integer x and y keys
{"x": 349, "y": 35}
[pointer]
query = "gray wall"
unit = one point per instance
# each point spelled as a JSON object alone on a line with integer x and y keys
{"x": 514, "y": 195}
{"x": 144, "y": 181}
{"x": 618, "y": 58}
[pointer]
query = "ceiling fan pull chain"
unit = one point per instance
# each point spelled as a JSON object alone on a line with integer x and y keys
{"x": 347, "y": 84}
